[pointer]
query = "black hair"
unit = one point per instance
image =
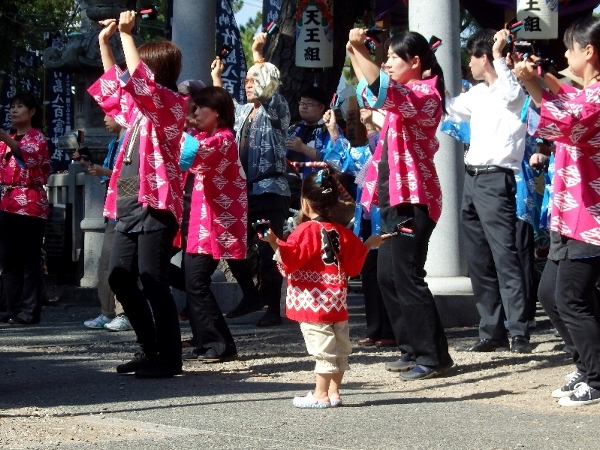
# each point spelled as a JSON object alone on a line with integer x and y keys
{"x": 218, "y": 99}
{"x": 321, "y": 191}
{"x": 31, "y": 102}
{"x": 315, "y": 93}
{"x": 407, "y": 45}
{"x": 585, "y": 31}
{"x": 481, "y": 43}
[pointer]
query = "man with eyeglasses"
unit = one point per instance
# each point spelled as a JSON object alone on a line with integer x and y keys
{"x": 307, "y": 140}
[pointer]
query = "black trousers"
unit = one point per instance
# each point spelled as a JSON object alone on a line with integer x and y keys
{"x": 378, "y": 321}
{"x": 408, "y": 300}
{"x": 525, "y": 242}
{"x": 567, "y": 293}
{"x": 21, "y": 240}
{"x": 488, "y": 215}
{"x": 209, "y": 328}
{"x": 270, "y": 278}
{"x": 152, "y": 312}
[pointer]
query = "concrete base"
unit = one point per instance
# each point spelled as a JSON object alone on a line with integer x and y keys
{"x": 453, "y": 297}
{"x": 228, "y": 295}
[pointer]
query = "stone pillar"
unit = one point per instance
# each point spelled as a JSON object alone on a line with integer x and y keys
{"x": 442, "y": 19}
{"x": 93, "y": 228}
{"x": 194, "y": 33}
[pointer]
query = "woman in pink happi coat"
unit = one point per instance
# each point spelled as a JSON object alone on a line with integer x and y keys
{"x": 24, "y": 170}
{"x": 218, "y": 219}
{"x": 145, "y": 191}
{"x": 403, "y": 182}
{"x": 571, "y": 118}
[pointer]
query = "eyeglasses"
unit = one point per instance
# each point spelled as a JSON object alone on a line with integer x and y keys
{"x": 308, "y": 105}
{"x": 248, "y": 81}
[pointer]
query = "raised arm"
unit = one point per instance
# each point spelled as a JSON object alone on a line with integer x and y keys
{"x": 126, "y": 24}
{"x": 355, "y": 66}
{"x": 257, "y": 47}
{"x": 108, "y": 59}
{"x": 216, "y": 70}
{"x": 362, "y": 63}
{"x": 526, "y": 73}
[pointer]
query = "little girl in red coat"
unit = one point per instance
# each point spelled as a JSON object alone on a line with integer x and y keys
{"x": 317, "y": 258}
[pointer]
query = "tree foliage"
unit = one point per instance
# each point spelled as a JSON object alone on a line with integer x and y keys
{"x": 247, "y": 32}
{"x": 26, "y": 24}
{"x": 152, "y": 30}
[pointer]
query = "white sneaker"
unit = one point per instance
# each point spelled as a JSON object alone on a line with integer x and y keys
{"x": 584, "y": 395}
{"x": 119, "y": 323}
{"x": 98, "y": 322}
{"x": 572, "y": 382}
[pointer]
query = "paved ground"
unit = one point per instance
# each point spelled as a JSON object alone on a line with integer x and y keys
{"x": 58, "y": 389}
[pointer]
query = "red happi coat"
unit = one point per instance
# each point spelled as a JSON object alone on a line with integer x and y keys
{"x": 572, "y": 120}
{"x": 413, "y": 115}
{"x": 219, "y": 209}
{"x": 162, "y": 113}
{"x": 317, "y": 283}
{"x": 23, "y": 186}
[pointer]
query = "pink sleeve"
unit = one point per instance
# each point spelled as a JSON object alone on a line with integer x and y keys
{"x": 108, "y": 93}
{"x": 419, "y": 101}
{"x": 570, "y": 117}
{"x": 212, "y": 150}
{"x": 162, "y": 106}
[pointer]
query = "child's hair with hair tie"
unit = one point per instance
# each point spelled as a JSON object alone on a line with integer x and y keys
{"x": 320, "y": 190}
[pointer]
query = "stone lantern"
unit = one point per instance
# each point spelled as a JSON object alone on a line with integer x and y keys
{"x": 81, "y": 57}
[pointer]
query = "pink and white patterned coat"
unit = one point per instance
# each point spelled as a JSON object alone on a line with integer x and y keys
{"x": 219, "y": 209}
{"x": 23, "y": 185}
{"x": 572, "y": 120}
{"x": 162, "y": 112}
{"x": 413, "y": 115}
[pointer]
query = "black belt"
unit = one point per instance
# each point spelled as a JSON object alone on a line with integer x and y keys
{"x": 478, "y": 170}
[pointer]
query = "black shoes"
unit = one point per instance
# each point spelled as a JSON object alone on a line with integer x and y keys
{"x": 269, "y": 320}
{"x": 243, "y": 309}
{"x": 138, "y": 362}
{"x": 520, "y": 344}
{"x": 158, "y": 369}
{"x": 404, "y": 364}
{"x": 211, "y": 356}
{"x": 145, "y": 368}
{"x": 6, "y": 317}
{"x": 420, "y": 372}
{"x": 485, "y": 345}
{"x": 18, "y": 321}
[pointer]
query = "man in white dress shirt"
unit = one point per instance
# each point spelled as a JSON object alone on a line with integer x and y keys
{"x": 488, "y": 206}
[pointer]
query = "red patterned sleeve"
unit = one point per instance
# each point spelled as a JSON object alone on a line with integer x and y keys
{"x": 353, "y": 253}
{"x": 35, "y": 153}
{"x": 300, "y": 247}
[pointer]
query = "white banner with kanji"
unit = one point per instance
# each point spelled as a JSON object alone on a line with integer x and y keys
{"x": 314, "y": 33}
{"x": 540, "y": 19}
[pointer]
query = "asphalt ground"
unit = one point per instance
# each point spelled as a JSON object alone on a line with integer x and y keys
{"x": 59, "y": 389}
